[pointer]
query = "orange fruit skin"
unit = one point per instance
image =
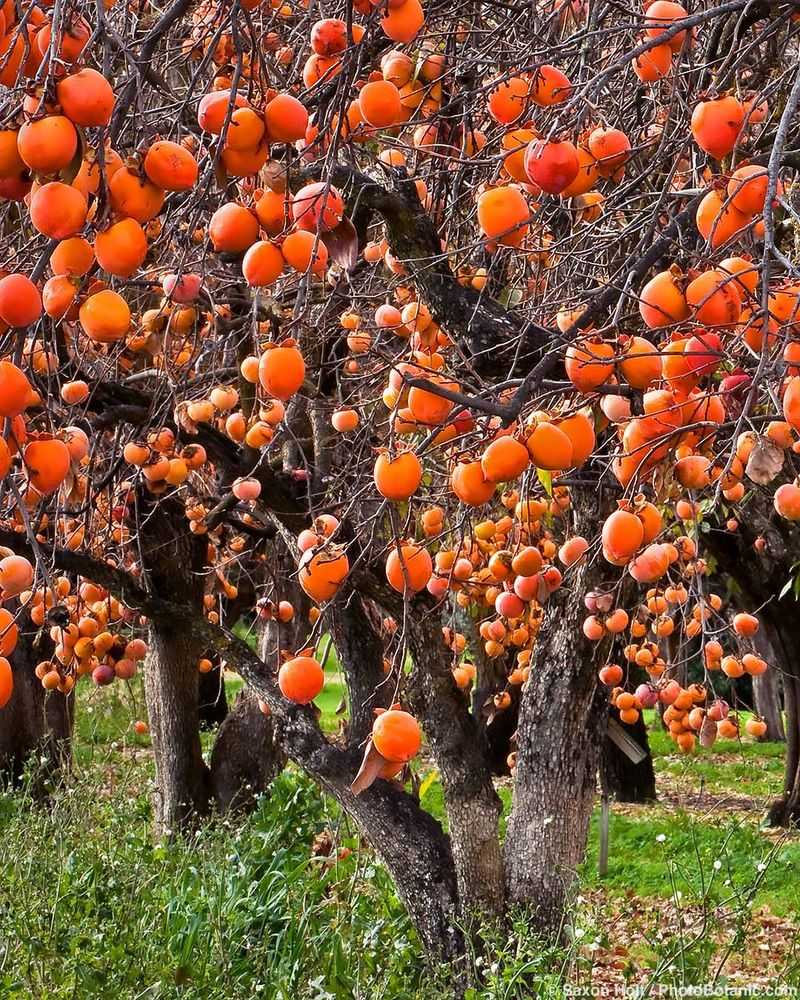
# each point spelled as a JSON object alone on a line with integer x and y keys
{"x": 301, "y": 679}
{"x": 396, "y": 736}
{"x": 47, "y": 463}
{"x": 6, "y": 682}
{"x": 416, "y": 564}
{"x": 281, "y": 371}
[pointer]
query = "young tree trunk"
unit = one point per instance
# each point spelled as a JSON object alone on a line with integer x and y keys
{"x": 35, "y": 726}
{"x": 620, "y": 777}
{"x": 561, "y": 720}
{"x": 246, "y": 757}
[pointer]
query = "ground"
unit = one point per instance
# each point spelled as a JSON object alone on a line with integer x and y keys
{"x": 288, "y": 903}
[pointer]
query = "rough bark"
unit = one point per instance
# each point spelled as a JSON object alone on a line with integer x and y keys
{"x": 35, "y": 726}
{"x": 561, "y": 720}
{"x": 246, "y": 757}
{"x": 766, "y": 687}
{"x": 182, "y": 787}
{"x": 472, "y": 805}
{"x": 412, "y": 846}
{"x": 760, "y": 577}
{"x": 360, "y": 651}
{"x": 620, "y": 777}
{"x": 172, "y": 561}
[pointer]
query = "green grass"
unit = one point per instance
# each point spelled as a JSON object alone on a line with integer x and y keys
{"x": 90, "y": 907}
{"x": 659, "y": 853}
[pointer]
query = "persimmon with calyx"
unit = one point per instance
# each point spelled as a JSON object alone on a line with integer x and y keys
{"x": 86, "y": 98}
{"x": 170, "y": 166}
{"x": 396, "y": 736}
{"x": 58, "y": 210}
{"x": 317, "y": 206}
{"x": 662, "y": 302}
{"x": 380, "y": 103}
{"x": 549, "y": 86}
{"x": 508, "y": 100}
{"x": 122, "y": 248}
{"x": 552, "y": 165}
{"x": 20, "y": 301}
{"x": 286, "y": 118}
{"x": 503, "y": 215}
{"x": 233, "y": 228}
{"x": 408, "y": 568}
{"x": 15, "y": 390}
{"x": 322, "y": 571}
{"x": 623, "y": 534}
{"x": 588, "y": 363}
{"x": 105, "y": 317}
{"x": 716, "y": 125}
{"x": 282, "y": 370}
{"x": 48, "y": 144}
{"x": 301, "y": 679}
{"x": 262, "y": 264}
{"x": 47, "y": 462}
{"x": 134, "y": 195}
{"x": 469, "y": 483}
{"x": 398, "y": 477}
{"x": 504, "y": 459}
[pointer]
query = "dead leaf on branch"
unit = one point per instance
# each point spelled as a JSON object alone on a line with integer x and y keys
{"x": 342, "y": 244}
{"x": 765, "y": 462}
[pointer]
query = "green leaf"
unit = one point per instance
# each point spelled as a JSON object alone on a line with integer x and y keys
{"x": 546, "y": 479}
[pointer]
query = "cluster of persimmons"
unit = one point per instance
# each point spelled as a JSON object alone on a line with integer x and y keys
{"x": 486, "y": 504}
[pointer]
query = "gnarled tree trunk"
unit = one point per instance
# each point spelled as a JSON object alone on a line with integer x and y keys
{"x": 182, "y": 789}
{"x": 760, "y": 577}
{"x": 172, "y": 562}
{"x": 561, "y": 721}
{"x": 35, "y": 725}
{"x": 246, "y": 757}
{"x": 766, "y": 686}
{"x": 471, "y": 802}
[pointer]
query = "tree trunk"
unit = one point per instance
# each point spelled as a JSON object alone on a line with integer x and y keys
{"x": 760, "y": 577}
{"x": 620, "y": 777}
{"x": 182, "y": 788}
{"x": 360, "y": 651}
{"x": 471, "y": 802}
{"x": 409, "y": 841}
{"x": 766, "y": 693}
{"x": 785, "y": 811}
{"x": 35, "y": 726}
{"x": 172, "y": 562}
{"x": 561, "y": 719}
{"x": 246, "y": 757}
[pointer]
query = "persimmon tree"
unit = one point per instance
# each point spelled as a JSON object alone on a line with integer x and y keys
{"x": 463, "y": 340}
